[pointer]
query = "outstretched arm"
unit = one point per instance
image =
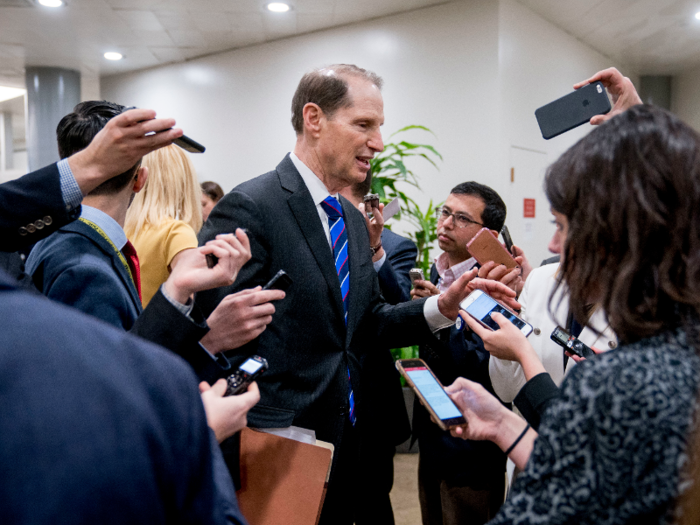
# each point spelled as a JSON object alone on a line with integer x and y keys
{"x": 623, "y": 92}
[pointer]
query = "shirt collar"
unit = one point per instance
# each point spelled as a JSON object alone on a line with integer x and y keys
{"x": 315, "y": 186}
{"x": 107, "y": 224}
{"x": 457, "y": 270}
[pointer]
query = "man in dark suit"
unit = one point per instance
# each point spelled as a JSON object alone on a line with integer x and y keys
{"x": 97, "y": 426}
{"x": 385, "y": 410}
{"x": 459, "y": 481}
{"x": 296, "y": 222}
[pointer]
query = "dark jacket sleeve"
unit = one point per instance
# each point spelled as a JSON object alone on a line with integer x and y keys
{"x": 35, "y": 197}
{"x": 163, "y": 324}
{"x": 534, "y": 398}
{"x": 393, "y": 276}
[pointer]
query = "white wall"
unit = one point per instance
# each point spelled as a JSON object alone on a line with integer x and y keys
{"x": 472, "y": 71}
{"x": 685, "y": 99}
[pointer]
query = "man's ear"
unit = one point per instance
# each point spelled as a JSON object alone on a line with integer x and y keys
{"x": 140, "y": 179}
{"x": 495, "y": 233}
{"x": 313, "y": 118}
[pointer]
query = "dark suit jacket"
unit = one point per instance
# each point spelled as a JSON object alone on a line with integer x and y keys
{"x": 97, "y": 426}
{"x": 381, "y": 383}
{"x": 78, "y": 267}
{"x": 28, "y": 199}
{"x": 476, "y": 464}
{"x": 307, "y": 346}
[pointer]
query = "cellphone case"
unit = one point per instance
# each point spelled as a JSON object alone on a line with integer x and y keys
{"x": 484, "y": 247}
{"x": 572, "y": 110}
{"x": 421, "y": 398}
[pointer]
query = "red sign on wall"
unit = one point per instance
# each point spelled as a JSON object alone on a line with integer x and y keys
{"x": 529, "y": 208}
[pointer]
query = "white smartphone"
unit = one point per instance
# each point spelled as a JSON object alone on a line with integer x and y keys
{"x": 479, "y": 305}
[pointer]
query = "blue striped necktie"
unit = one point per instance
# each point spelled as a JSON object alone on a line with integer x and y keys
{"x": 339, "y": 242}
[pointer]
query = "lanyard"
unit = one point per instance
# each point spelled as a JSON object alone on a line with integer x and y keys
{"x": 116, "y": 250}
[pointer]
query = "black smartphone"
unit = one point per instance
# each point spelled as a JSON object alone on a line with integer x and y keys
{"x": 430, "y": 392}
{"x": 572, "y": 110}
{"x": 281, "y": 281}
{"x": 190, "y": 145}
{"x": 248, "y": 372}
{"x": 570, "y": 343}
{"x": 507, "y": 239}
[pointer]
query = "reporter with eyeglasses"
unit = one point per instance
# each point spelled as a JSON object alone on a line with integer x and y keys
{"x": 459, "y": 481}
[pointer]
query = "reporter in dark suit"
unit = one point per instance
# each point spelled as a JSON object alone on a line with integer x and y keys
{"x": 312, "y": 346}
{"x": 385, "y": 411}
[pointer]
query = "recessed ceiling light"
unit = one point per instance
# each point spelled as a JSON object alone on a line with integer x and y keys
{"x": 6, "y": 93}
{"x": 278, "y": 7}
{"x": 112, "y": 55}
{"x": 697, "y": 15}
{"x": 51, "y": 3}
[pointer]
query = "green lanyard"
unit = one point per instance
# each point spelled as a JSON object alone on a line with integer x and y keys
{"x": 116, "y": 250}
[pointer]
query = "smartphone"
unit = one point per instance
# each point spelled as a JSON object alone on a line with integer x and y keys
{"x": 570, "y": 343}
{"x": 249, "y": 371}
{"x": 572, "y": 110}
{"x": 190, "y": 145}
{"x": 281, "y": 281}
{"x": 507, "y": 239}
{"x": 430, "y": 392}
{"x": 485, "y": 247}
{"x": 416, "y": 274}
{"x": 371, "y": 201}
{"x": 479, "y": 305}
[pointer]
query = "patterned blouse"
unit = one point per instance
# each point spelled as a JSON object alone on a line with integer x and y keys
{"x": 611, "y": 448}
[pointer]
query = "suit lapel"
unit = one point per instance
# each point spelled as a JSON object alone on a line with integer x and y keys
{"x": 304, "y": 210}
{"x": 110, "y": 251}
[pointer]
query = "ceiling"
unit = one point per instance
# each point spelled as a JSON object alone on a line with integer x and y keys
{"x": 154, "y": 32}
{"x": 651, "y": 36}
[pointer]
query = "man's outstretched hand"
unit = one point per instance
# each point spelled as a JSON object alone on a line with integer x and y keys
{"x": 448, "y": 302}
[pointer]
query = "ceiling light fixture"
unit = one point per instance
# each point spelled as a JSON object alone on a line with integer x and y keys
{"x": 51, "y": 3}
{"x": 7, "y": 93}
{"x": 278, "y": 7}
{"x": 113, "y": 55}
{"x": 697, "y": 15}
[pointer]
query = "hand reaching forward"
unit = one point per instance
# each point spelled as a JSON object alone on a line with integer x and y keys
{"x": 482, "y": 410}
{"x": 623, "y": 92}
{"x": 191, "y": 273}
{"x": 227, "y": 415}
{"x": 448, "y": 302}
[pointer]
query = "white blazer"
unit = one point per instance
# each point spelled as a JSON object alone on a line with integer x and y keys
{"x": 507, "y": 377}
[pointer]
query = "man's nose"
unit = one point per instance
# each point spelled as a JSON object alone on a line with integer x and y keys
{"x": 375, "y": 142}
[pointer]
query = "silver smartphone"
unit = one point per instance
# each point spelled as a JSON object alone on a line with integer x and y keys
{"x": 480, "y": 305}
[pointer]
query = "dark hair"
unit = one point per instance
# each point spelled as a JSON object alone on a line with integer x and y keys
{"x": 328, "y": 88}
{"x": 630, "y": 191}
{"x": 494, "y": 214}
{"x": 212, "y": 190}
{"x": 77, "y": 129}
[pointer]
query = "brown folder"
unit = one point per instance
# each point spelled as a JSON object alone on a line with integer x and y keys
{"x": 282, "y": 481}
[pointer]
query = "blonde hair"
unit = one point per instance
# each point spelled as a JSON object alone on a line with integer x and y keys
{"x": 171, "y": 191}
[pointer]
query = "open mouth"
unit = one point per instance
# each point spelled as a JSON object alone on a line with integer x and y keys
{"x": 364, "y": 162}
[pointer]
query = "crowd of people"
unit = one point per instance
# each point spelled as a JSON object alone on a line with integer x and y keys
{"x": 103, "y": 426}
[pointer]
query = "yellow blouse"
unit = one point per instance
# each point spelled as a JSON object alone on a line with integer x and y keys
{"x": 156, "y": 247}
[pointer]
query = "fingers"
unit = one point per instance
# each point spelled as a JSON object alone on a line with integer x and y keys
{"x": 576, "y": 358}
{"x": 219, "y": 388}
{"x": 251, "y": 396}
{"x": 486, "y": 269}
{"x": 203, "y": 387}
{"x": 474, "y": 325}
{"x": 242, "y": 237}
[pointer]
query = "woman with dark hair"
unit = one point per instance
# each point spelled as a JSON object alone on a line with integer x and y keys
{"x": 612, "y": 446}
{"x": 211, "y": 194}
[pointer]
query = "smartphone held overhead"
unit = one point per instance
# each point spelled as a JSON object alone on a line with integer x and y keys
{"x": 572, "y": 110}
{"x": 481, "y": 305}
{"x": 430, "y": 393}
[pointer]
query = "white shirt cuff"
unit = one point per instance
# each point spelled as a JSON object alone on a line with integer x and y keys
{"x": 436, "y": 321}
{"x": 380, "y": 262}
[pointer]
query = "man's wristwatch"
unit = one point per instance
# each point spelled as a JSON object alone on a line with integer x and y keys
{"x": 374, "y": 249}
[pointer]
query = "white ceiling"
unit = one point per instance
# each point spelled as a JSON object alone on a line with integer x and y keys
{"x": 652, "y": 36}
{"x": 154, "y": 32}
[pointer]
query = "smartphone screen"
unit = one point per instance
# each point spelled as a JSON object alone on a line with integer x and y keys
{"x": 481, "y": 308}
{"x": 433, "y": 393}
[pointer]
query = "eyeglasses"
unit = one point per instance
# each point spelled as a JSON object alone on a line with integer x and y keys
{"x": 459, "y": 220}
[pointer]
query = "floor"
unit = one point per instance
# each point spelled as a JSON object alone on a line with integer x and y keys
{"x": 404, "y": 495}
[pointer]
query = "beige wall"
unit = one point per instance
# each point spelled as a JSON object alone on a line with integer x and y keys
{"x": 685, "y": 99}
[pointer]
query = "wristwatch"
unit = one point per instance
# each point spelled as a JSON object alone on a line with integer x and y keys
{"x": 374, "y": 249}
